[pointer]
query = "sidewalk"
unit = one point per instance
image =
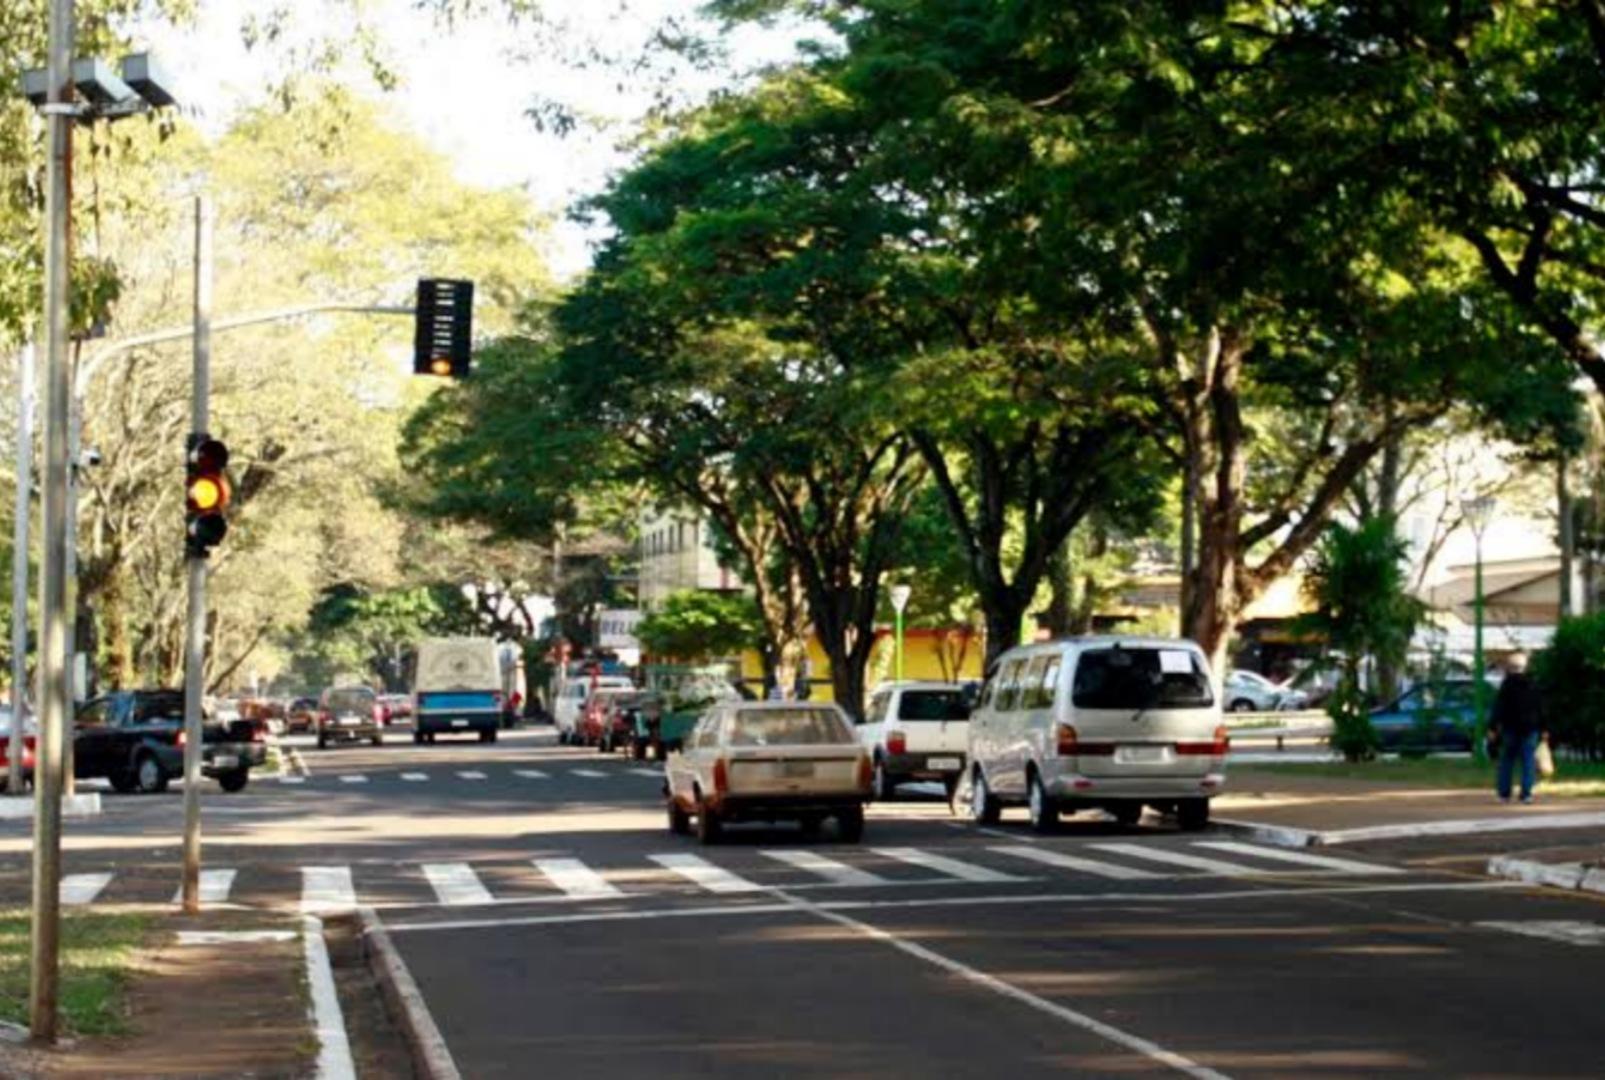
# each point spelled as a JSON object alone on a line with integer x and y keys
{"x": 1301, "y": 811}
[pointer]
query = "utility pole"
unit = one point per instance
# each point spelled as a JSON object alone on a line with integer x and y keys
{"x": 195, "y": 636}
{"x": 19, "y": 568}
{"x": 54, "y": 693}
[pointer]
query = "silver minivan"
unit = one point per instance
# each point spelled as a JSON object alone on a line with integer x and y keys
{"x": 1108, "y": 722}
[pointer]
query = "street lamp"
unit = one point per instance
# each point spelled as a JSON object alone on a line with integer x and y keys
{"x": 1478, "y": 513}
{"x": 899, "y": 594}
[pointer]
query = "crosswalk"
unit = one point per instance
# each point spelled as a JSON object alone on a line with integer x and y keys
{"x": 734, "y": 871}
{"x": 453, "y": 776}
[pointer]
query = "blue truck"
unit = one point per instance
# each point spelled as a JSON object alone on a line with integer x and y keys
{"x": 457, "y": 689}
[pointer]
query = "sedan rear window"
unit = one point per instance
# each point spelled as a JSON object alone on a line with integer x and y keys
{"x": 788, "y": 727}
{"x": 1141, "y": 678}
{"x": 351, "y": 701}
{"x": 933, "y": 705}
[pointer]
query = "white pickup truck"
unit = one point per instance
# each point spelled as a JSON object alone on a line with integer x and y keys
{"x": 916, "y": 731}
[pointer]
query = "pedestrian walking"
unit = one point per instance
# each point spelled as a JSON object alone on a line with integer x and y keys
{"x": 1517, "y": 724}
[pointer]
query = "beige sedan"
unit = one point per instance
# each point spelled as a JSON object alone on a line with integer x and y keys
{"x": 769, "y": 761}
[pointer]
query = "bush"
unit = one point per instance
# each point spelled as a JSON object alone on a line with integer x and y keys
{"x": 1571, "y": 675}
{"x": 1352, "y": 733}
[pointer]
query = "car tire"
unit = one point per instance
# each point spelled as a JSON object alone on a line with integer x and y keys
{"x": 378, "y": 739}
{"x": 417, "y": 738}
{"x": 850, "y": 824}
{"x": 659, "y": 752}
{"x": 1192, "y": 814}
{"x": 984, "y": 806}
{"x": 638, "y": 750}
{"x": 1241, "y": 705}
{"x": 323, "y": 741}
{"x": 123, "y": 781}
{"x": 1043, "y": 808}
{"x": 885, "y": 785}
{"x": 810, "y": 825}
{"x": 709, "y": 827}
{"x": 679, "y": 820}
{"x": 234, "y": 780}
{"x": 149, "y": 776}
{"x": 1126, "y": 814}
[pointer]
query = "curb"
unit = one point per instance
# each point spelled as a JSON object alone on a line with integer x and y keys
{"x": 431, "y": 1058}
{"x": 1280, "y": 835}
{"x": 1288, "y": 836}
{"x": 86, "y": 804}
{"x": 1574, "y": 876}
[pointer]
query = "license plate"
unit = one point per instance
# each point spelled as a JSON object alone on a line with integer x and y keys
{"x": 1141, "y": 755}
{"x": 350, "y": 721}
{"x": 793, "y": 769}
{"x": 225, "y": 761}
{"x": 459, "y": 723}
{"x": 945, "y": 764}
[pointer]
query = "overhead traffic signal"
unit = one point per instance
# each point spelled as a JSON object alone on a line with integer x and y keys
{"x": 443, "y": 334}
{"x": 206, "y": 494}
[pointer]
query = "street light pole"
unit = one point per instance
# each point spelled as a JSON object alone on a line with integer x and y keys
{"x": 195, "y": 635}
{"x": 1479, "y": 512}
{"x": 19, "y": 569}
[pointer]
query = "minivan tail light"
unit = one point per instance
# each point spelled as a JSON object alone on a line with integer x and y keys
{"x": 897, "y": 743}
{"x": 721, "y": 777}
{"x": 1065, "y": 739}
{"x": 1218, "y": 747}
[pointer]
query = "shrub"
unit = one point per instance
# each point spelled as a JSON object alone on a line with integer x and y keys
{"x": 1571, "y": 676}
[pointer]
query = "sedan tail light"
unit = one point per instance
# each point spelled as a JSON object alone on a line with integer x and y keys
{"x": 721, "y": 777}
{"x": 182, "y": 738}
{"x": 897, "y": 743}
{"x": 866, "y": 771}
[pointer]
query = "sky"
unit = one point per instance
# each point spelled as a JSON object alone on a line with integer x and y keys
{"x": 465, "y": 88}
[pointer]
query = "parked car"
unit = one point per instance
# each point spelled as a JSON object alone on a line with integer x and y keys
{"x": 568, "y": 708}
{"x": 916, "y": 731}
{"x": 135, "y": 739}
{"x": 1249, "y": 691}
{"x": 30, "y": 739}
{"x": 457, "y": 689}
{"x": 601, "y": 721}
{"x": 302, "y": 714}
{"x": 1107, "y": 722}
{"x": 769, "y": 761}
{"x": 642, "y": 715}
{"x": 349, "y": 714}
{"x": 1430, "y": 717}
{"x": 395, "y": 708}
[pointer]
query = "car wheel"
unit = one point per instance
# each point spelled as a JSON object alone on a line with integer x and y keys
{"x": 984, "y": 806}
{"x": 1125, "y": 813}
{"x": 709, "y": 827}
{"x": 638, "y": 750}
{"x": 493, "y": 735}
{"x": 123, "y": 781}
{"x": 659, "y": 752}
{"x": 234, "y": 780}
{"x": 1241, "y": 705}
{"x": 850, "y": 824}
{"x": 885, "y": 785}
{"x": 1192, "y": 814}
{"x": 679, "y": 820}
{"x": 149, "y": 776}
{"x": 323, "y": 741}
{"x": 1044, "y": 809}
{"x": 378, "y": 739}
{"x": 418, "y": 738}
{"x": 810, "y": 824}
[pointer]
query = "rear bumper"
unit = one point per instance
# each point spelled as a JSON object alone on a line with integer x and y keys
{"x": 444, "y": 723}
{"x": 918, "y": 765}
{"x": 342, "y": 733}
{"x": 1074, "y": 787}
{"x": 768, "y": 807}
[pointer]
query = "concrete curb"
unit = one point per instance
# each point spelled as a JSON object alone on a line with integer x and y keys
{"x": 1573, "y": 876}
{"x": 1292, "y": 837}
{"x": 1280, "y": 835}
{"x": 85, "y": 804}
{"x": 431, "y": 1058}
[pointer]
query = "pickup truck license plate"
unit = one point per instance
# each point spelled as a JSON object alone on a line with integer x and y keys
{"x": 794, "y": 769}
{"x": 459, "y": 723}
{"x": 225, "y": 761}
{"x": 1140, "y": 755}
{"x": 945, "y": 764}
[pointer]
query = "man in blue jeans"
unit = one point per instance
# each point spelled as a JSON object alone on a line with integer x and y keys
{"x": 1518, "y": 723}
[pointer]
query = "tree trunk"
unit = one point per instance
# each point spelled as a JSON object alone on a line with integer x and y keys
{"x": 1061, "y": 602}
{"x": 1189, "y": 538}
{"x": 1003, "y": 618}
{"x": 1568, "y": 538}
{"x": 1214, "y": 440}
{"x": 114, "y": 610}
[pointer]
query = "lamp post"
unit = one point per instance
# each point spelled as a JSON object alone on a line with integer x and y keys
{"x": 1479, "y": 512}
{"x": 899, "y": 594}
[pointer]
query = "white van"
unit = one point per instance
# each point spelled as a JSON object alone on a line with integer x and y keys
{"x": 568, "y": 704}
{"x": 1109, "y": 722}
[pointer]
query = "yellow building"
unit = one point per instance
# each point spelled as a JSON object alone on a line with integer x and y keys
{"x": 939, "y": 655}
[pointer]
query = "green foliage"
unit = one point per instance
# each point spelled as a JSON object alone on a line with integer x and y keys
{"x": 356, "y": 630}
{"x": 1352, "y": 733}
{"x": 1571, "y": 675}
{"x": 695, "y": 626}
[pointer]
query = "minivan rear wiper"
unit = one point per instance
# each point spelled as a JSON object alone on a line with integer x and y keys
{"x": 1147, "y": 706}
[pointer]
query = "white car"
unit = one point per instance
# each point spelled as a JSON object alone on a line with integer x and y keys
{"x": 568, "y": 706}
{"x": 1249, "y": 691}
{"x": 916, "y": 731}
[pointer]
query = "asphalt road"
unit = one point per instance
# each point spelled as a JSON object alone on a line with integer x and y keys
{"x": 555, "y": 927}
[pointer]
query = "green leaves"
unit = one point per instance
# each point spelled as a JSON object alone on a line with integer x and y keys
{"x": 698, "y": 626}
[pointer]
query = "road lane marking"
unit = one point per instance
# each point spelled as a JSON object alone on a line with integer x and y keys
{"x": 1324, "y": 862}
{"x": 286, "y": 778}
{"x": 1181, "y": 858}
{"x": 589, "y": 774}
{"x": 530, "y": 774}
{"x": 953, "y": 868}
{"x": 1562, "y": 930}
{"x": 415, "y": 777}
{"x": 656, "y": 774}
{"x": 1135, "y": 1043}
{"x": 456, "y": 884}
{"x": 836, "y": 872}
{"x": 82, "y": 888}
{"x": 700, "y": 871}
{"x": 215, "y": 886}
{"x": 353, "y": 778}
{"x": 1075, "y": 862}
{"x": 326, "y": 888}
{"x": 577, "y": 880}
{"x": 471, "y": 774}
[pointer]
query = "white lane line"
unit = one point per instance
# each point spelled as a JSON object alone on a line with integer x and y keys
{"x": 1562, "y": 930}
{"x": 334, "y": 1048}
{"x": 215, "y": 886}
{"x": 326, "y": 888}
{"x": 656, "y": 774}
{"x": 700, "y": 871}
{"x": 82, "y": 888}
{"x": 471, "y": 774}
{"x": 954, "y": 868}
{"x": 353, "y": 778}
{"x": 286, "y": 778}
{"x": 1075, "y": 862}
{"x": 1323, "y": 862}
{"x": 530, "y": 774}
{"x": 576, "y": 879}
{"x": 1181, "y": 858}
{"x": 589, "y": 774}
{"x": 415, "y": 777}
{"x": 1135, "y": 1043}
{"x": 456, "y": 884}
{"x": 836, "y": 872}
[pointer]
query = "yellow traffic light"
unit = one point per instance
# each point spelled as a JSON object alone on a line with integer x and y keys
{"x": 206, "y": 493}
{"x": 440, "y": 365}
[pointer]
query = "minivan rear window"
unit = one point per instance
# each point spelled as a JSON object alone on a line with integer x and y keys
{"x": 933, "y": 705}
{"x": 357, "y": 701}
{"x": 1141, "y": 678}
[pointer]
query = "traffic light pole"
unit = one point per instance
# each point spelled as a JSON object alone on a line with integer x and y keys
{"x": 195, "y": 635}
{"x": 19, "y": 570}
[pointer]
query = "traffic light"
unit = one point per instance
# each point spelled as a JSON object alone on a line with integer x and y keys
{"x": 443, "y": 334}
{"x": 206, "y": 495}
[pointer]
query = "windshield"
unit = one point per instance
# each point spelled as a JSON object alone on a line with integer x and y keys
{"x": 788, "y": 727}
{"x": 1141, "y": 678}
{"x": 933, "y": 705}
{"x": 158, "y": 707}
{"x": 350, "y": 701}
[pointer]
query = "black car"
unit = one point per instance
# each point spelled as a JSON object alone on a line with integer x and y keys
{"x": 135, "y": 739}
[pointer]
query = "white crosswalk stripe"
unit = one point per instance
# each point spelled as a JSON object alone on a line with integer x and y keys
{"x": 214, "y": 886}
{"x": 953, "y": 868}
{"x": 700, "y": 871}
{"x": 353, "y": 778}
{"x": 82, "y": 888}
{"x": 530, "y": 774}
{"x": 327, "y": 888}
{"x": 576, "y": 879}
{"x": 1181, "y": 858}
{"x": 456, "y": 884}
{"x": 589, "y": 774}
{"x": 1301, "y": 858}
{"x": 656, "y": 774}
{"x": 286, "y": 778}
{"x": 415, "y": 777}
{"x": 838, "y": 873}
{"x": 1076, "y": 862}
{"x": 471, "y": 774}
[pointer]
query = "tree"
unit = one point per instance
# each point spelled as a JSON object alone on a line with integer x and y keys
{"x": 695, "y": 626}
{"x": 1571, "y": 674}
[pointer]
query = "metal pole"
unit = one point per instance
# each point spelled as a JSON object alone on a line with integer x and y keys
{"x": 69, "y": 783}
{"x": 1480, "y": 665}
{"x": 195, "y": 636}
{"x": 53, "y": 690}
{"x": 19, "y": 568}
{"x": 899, "y": 652}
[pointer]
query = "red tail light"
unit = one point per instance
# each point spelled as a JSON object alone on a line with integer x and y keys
{"x": 1218, "y": 748}
{"x": 183, "y": 738}
{"x": 866, "y": 771}
{"x": 258, "y": 734}
{"x": 721, "y": 776}
{"x": 1065, "y": 740}
{"x": 897, "y": 743}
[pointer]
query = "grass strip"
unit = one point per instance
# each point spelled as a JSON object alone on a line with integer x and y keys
{"x": 96, "y": 951}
